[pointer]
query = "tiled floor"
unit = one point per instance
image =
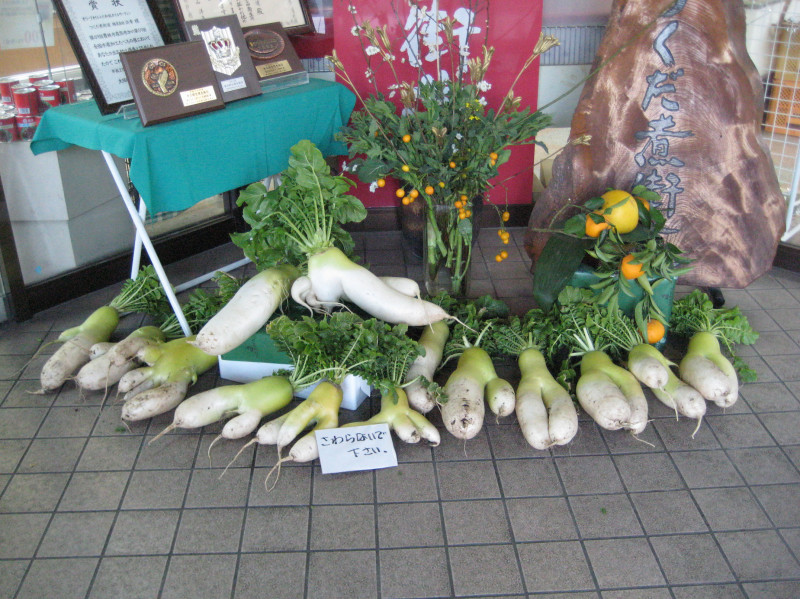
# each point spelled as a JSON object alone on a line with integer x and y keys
{"x": 89, "y": 509}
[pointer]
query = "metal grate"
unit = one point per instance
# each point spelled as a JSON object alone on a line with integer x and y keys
{"x": 578, "y": 44}
{"x": 773, "y": 40}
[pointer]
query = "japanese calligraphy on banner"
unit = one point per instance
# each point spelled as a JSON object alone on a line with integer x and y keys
{"x": 677, "y": 107}
{"x": 414, "y": 31}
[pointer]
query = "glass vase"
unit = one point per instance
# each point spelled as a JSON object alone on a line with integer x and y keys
{"x": 447, "y": 242}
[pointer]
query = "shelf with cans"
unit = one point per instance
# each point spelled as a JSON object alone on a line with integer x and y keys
{"x": 24, "y": 100}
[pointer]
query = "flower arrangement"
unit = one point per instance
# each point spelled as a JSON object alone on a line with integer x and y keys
{"x": 442, "y": 141}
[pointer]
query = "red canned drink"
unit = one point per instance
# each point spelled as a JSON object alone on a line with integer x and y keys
{"x": 49, "y": 96}
{"x": 8, "y": 128}
{"x": 26, "y": 126}
{"x": 41, "y": 83}
{"x": 37, "y": 78}
{"x": 26, "y": 100}
{"x": 67, "y": 86}
{"x": 5, "y": 89}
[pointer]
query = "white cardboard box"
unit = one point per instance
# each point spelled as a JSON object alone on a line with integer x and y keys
{"x": 257, "y": 357}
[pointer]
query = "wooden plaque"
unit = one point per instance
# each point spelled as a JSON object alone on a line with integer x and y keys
{"x": 172, "y": 82}
{"x": 272, "y": 53}
{"x": 230, "y": 59}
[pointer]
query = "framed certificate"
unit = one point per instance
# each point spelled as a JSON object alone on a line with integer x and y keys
{"x": 98, "y": 31}
{"x": 292, "y": 14}
{"x": 171, "y": 82}
{"x": 224, "y": 42}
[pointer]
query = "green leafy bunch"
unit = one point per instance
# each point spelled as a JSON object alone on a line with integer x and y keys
{"x": 343, "y": 343}
{"x": 302, "y": 216}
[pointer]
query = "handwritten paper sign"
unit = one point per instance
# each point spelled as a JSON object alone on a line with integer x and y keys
{"x": 354, "y": 448}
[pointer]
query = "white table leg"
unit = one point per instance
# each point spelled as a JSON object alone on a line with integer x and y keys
{"x": 137, "y": 242}
{"x": 138, "y": 223}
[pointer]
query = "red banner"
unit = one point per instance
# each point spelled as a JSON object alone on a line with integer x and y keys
{"x": 512, "y": 29}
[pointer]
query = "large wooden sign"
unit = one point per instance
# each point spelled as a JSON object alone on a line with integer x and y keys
{"x": 679, "y": 110}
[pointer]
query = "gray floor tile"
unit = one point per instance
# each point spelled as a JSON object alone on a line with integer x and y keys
{"x": 508, "y": 442}
{"x": 476, "y": 522}
{"x": 677, "y": 434}
{"x": 587, "y": 441}
{"x": 709, "y": 591}
{"x": 143, "y": 532}
{"x": 666, "y": 512}
{"x": 293, "y": 487}
{"x": 215, "y": 530}
{"x": 541, "y": 519}
{"x": 72, "y": 421}
{"x": 648, "y": 472}
{"x": 497, "y": 574}
{"x": 169, "y": 452}
{"x": 80, "y": 534}
{"x": 706, "y": 469}
{"x": 452, "y": 449}
{"x": 282, "y": 575}
{"x": 199, "y": 576}
{"x": 347, "y": 487}
{"x": 589, "y": 474}
{"x": 691, "y": 559}
{"x": 94, "y": 491}
{"x": 468, "y": 480}
{"x": 529, "y": 478}
{"x": 156, "y": 489}
{"x": 342, "y": 575}
{"x": 621, "y": 442}
{"x": 730, "y": 508}
{"x": 555, "y": 566}
{"x": 429, "y": 564}
{"x": 786, "y": 368}
{"x": 23, "y": 395}
{"x": 758, "y": 555}
{"x": 783, "y": 426}
{"x": 640, "y": 593}
{"x": 62, "y": 578}
{"x": 110, "y": 453}
{"x": 52, "y": 455}
{"x": 11, "y": 453}
{"x": 342, "y": 527}
{"x": 11, "y": 574}
{"x": 207, "y": 489}
{"x": 601, "y": 516}
{"x": 781, "y": 502}
{"x": 772, "y": 590}
{"x": 407, "y": 482}
{"x": 33, "y": 492}
{"x": 20, "y": 423}
{"x": 763, "y": 466}
{"x": 623, "y": 563}
{"x": 276, "y": 529}
{"x": 129, "y": 577}
{"x": 20, "y": 534}
{"x": 410, "y": 525}
{"x": 739, "y": 430}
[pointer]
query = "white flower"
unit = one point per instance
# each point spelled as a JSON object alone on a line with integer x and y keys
{"x": 484, "y": 86}
{"x": 392, "y": 94}
{"x": 389, "y": 57}
{"x": 454, "y": 148}
{"x": 464, "y": 51}
{"x": 407, "y": 112}
{"x": 344, "y": 167}
{"x": 351, "y": 8}
{"x": 482, "y": 101}
{"x": 459, "y": 136}
{"x": 371, "y": 50}
{"x": 355, "y": 30}
{"x": 369, "y": 74}
{"x": 373, "y": 186}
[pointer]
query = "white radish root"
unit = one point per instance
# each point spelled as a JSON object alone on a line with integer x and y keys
{"x": 247, "y": 311}
{"x": 432, "y": 340}
{"x": 335, "y": 278}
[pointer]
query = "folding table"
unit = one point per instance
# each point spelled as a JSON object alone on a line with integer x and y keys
{"x": 176, "y": 164}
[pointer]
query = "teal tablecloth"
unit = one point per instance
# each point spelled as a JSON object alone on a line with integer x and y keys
{"x": 176, "y": 164}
